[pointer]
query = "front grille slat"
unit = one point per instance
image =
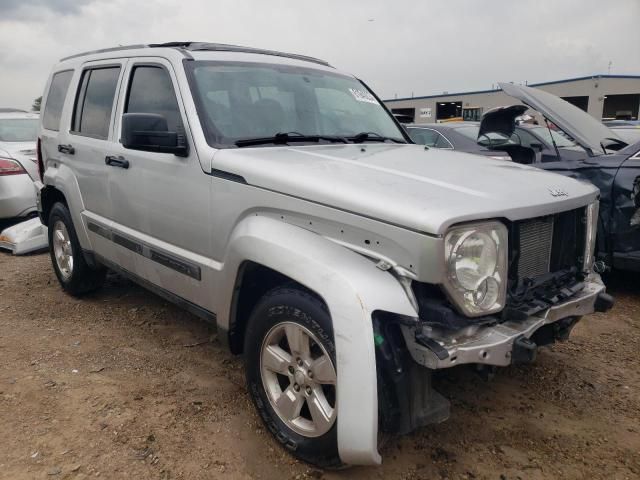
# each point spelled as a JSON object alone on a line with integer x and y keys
{"x": 535, "y": 245}
{"x": 545, "y": 261}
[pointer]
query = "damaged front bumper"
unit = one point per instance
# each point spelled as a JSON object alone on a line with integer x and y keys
{"x": 501, "y": 344}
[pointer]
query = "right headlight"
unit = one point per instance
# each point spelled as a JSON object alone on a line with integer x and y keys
{"x": 476, "y": 257}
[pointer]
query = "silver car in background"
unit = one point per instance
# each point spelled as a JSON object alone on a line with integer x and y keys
{"x": 18, "y": 164}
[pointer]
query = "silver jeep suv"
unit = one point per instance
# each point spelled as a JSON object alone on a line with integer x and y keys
{"x": 277, "y": 198}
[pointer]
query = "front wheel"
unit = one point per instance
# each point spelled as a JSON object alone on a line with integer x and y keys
{"x": 75, "y": 275}
{"x": 291, "y": 374}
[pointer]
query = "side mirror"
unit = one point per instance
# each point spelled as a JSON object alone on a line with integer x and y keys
{"x": 149, "y": 132}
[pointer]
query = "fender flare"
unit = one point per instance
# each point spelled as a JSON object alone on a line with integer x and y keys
{"x": 353, "y": 288}
{"x": 64, "y": 180}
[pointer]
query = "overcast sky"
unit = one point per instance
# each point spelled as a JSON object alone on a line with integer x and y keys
{"x": 398, "y": 47}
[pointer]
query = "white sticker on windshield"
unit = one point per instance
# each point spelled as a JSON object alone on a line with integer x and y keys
{"x": 363, "y": 96}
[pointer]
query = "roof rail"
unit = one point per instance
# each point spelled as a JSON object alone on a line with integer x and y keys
{"x": 204, "y": 46}
{"x": 222, "y": 47}
{"x": 12, "y": 110}
{"x": 104, "y": 50}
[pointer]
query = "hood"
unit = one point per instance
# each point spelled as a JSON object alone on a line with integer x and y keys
{"x": 501, "y": 120}
{"x": 423, "y": 190}
{"x": 582, "y": 127}
{"x": 25, "y": 153}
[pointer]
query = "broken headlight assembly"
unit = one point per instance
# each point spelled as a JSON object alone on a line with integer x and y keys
{"x": 476, "y": 258}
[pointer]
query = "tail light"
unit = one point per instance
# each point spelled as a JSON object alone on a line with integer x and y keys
{"x": 40, "y": 161}
{"x": 10, "y": 167}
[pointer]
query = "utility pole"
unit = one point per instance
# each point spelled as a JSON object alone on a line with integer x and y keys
{"x": 609, "y": 69}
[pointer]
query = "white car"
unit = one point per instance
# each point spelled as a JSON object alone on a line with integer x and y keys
{"x": 18, "y": 164}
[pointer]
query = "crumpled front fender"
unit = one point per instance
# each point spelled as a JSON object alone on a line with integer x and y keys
{"x": 352, "y": 287}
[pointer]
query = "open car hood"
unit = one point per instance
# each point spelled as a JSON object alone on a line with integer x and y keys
{"x": 582, "y": 127}
{"x": 501, "y": 120}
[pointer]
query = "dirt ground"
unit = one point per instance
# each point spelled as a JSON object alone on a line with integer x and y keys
{"x": 112, "y": 386}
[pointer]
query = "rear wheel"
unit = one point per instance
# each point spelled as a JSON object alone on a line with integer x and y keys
{"x": 291, "y": 374}
{"x": 75, "y": 275}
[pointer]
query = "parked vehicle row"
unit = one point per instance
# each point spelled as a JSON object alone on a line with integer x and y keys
{"x": 276, "y": 197}
{"x": 572, "y": 144}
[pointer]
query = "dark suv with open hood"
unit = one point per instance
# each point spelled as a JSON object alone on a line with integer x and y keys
{"x": 578, "y": 146}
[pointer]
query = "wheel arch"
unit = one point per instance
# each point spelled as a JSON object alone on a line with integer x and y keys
{"x": 61, "y": 185}
{"x": 253, "y": 281}
{"x": 351, "y": 286}
{"x": 49, "y": 196}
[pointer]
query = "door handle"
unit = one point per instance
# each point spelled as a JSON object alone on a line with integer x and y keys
{"x": 116, "y": 161}
{"x": 68, "y": 149}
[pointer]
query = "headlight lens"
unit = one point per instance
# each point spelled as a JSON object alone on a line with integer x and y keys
{"x": 477, "y": 267}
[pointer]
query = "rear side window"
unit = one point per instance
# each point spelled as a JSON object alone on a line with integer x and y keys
{"x": 55, "y": 100}
{"x": 94, "y": 102}
{"x": 442, "y": 142}
{"x": 151, "y": 91}
{"x": 423, "y": 136}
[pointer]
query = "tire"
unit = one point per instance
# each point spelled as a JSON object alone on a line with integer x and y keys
{"x": 75, "y": 275}
{"x": 290, "y": 313}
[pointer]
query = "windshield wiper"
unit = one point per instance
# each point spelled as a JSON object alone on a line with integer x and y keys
{"x": 283, "y": 138}
{"x": 373, "y": 137}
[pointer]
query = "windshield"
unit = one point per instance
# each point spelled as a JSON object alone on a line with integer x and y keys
{"x": 489, "y": 139}
{"x": 242, "y": 101}
{"x": 18, "y": 129}
{"x": 562, "y": 141}
{"x": 630, "y": 135}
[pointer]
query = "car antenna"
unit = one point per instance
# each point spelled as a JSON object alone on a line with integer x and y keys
{"x": 553, "y": 140}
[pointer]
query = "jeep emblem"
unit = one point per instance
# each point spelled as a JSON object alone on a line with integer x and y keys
{"x": 556, "y": 192}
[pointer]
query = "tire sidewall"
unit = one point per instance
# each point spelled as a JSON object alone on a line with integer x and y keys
{"x": 294, "y": 306}
{"x": 59, "y": 212}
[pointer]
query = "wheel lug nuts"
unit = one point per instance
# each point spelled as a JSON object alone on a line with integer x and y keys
{"x": 296, "y": 387}
{"x": 291, "y": 370}
{"x": 300, "y": 362}
{"x": 310, "y": 374}
{"x": 308, "y": 390}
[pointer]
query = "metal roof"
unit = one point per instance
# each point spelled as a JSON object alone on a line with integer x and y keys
{"x": 204, "y": 46}
{"x": 553, "y": 82}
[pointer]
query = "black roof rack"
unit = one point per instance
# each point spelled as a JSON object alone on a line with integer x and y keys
{"x": 204, "y": 46}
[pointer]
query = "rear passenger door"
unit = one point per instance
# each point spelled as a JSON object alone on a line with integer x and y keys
{"x": 85, "y": 146}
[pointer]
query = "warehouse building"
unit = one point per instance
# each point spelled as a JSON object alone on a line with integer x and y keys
{"x": 606, "y": 97}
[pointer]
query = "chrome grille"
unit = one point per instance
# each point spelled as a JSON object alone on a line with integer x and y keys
{"x": 536, "y": 238}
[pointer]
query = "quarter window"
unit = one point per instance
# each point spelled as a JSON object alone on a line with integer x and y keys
{"x": 423, "y": 136}
{"x": 151, "y": 91}
{"x": 94, "y": 104}
{"x": 442, "y": 142}
{"x": 55, "y": 100}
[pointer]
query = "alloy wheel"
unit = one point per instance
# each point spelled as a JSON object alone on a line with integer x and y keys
{"x": 62, "y": 249}
{"x": 299, "y": 378}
